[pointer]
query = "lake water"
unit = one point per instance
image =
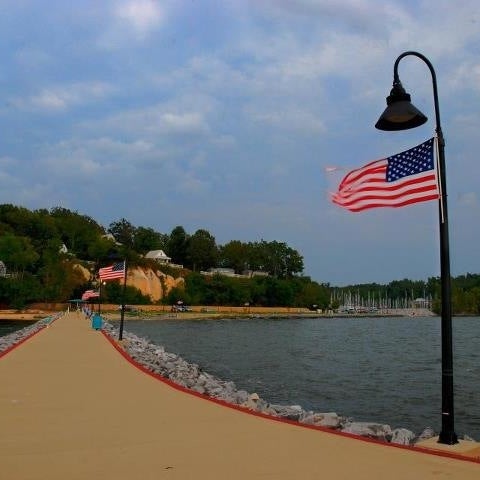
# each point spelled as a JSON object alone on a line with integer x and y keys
{"x": 384, "y": 370}
{"x": 9, "y": 326}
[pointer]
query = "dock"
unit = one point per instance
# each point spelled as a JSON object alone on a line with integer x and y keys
{"x": 73, "y": 407}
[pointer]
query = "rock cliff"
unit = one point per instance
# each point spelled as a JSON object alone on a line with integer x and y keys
{"x": 155, "y": 284}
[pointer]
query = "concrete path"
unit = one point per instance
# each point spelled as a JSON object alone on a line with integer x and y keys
{"x": 71, "y": 407}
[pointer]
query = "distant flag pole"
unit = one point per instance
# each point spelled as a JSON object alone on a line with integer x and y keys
{"x": 114, "y": 272}
{"x": 399, "y": 180}
{"x": 122, "y": 314}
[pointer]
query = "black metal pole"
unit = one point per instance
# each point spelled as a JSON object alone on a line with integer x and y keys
{"x": 447, "y": 435}
{"x": 99, "y": 296}
{"x": 122, "y": 314}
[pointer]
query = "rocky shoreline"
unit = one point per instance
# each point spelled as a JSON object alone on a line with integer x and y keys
{"x": 191, "y": 376}
{"x": 10, "y": 340}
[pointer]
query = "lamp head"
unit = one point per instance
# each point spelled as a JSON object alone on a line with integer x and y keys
{"x": 400, "y": 114}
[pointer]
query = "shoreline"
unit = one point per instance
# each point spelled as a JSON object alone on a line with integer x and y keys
{"x": 214, "y": 313}
{"x": 10, "y": 315}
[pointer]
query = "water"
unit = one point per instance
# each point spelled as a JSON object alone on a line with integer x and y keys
{"x": 10, "y": 326}
{"x": 384, "y": 370}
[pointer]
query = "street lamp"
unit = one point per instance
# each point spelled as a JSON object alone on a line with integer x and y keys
{"x": 400, "y": 114}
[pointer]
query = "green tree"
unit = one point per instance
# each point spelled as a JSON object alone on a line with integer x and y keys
{"x": 123, "y": 232}
{"x": 18, "y": 292}
{"x": 234, "y": 255}
{"x": 102, "y": 249}
{"x": 201, "y": 252}
{"x": 146, "y": 239}
{"x": 76, "y": 231}
{"x": 177, "y": 245}
{"x": 280, "y": 260}
{"x": 17, "y": 253}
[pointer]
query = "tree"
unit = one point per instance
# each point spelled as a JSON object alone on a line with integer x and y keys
{"x": 102, "y": 249}
{"x": 146, "y": 239}
{"x": 177, "y": 245}
{"x": 201, "y": 250}
{"x": 123, "y": 232}
{"x": 279, "y": 259}
{"x": 17, "y": 253}
{"x": 234, "y": 255}
{"x": 76, "y": 231}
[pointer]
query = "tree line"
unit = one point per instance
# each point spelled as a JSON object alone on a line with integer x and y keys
{"x": 42, "y": 250}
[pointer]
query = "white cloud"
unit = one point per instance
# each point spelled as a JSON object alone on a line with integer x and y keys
{"x": 182, "y": 123}
{"x": 152, "y": 122}
{"x": 59, "y": 98}
{"x": 290, "y": 118}
{"x": 142, "y": 16}
{"x": 132, "y": 21}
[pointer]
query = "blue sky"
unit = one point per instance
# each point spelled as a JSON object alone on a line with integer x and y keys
{"x": 225, "y": 115}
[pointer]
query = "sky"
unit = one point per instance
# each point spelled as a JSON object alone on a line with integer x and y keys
{"x": 226, "y": 115}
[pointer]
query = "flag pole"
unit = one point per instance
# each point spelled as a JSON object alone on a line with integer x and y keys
{"x": 122, "y": 314}
{"x": 99, "y": 295}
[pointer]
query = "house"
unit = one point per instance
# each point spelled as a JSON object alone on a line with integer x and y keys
{"x": 159, "y": 256}
{"x": 109, "y": 236}
{"x": 227, "y": 272}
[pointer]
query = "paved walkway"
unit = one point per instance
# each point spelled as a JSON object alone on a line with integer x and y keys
{"x": 71, "y": 407}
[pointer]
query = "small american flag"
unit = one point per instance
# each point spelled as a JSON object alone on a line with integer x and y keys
{"x": 117, "y": 270}
{"x": 90, "y": 294}
{"x": 402, "y": 179}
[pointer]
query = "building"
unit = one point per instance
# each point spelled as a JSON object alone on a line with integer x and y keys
{"x": 159, "y": 256}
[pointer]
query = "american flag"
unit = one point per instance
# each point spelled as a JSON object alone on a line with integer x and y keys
{"x": 117, "y": 270}
{"x": 402, "y": 179}
{"x": 90, "y": 294}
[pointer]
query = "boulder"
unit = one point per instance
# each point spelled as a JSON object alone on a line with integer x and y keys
{"x": 402, "y": 436}
{"x": 377, "y": 431}
{"x": 427, "y": 433}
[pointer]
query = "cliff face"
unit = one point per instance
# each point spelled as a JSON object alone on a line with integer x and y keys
{"x": 155, "y": 284}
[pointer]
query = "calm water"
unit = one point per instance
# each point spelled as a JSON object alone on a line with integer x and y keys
{"x": 9, "y": 326}
{"x": 371, "y": 369}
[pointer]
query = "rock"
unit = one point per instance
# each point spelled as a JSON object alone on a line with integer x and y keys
{"x": 330, "y": 420}
{"x": 199, "y": 389}
{"x": 241, "y": 396}
{"x": 292, "y": 412}
{"x": 427, "y": 433}
{"x": 402, "y": 436}
{"x": 252, "y": 402}
{"x": 371, "y": 430}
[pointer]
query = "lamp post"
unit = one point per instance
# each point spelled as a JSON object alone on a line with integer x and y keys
{"x": 400, "y": 114}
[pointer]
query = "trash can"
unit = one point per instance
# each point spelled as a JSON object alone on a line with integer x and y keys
{"x": 96, "y": 321}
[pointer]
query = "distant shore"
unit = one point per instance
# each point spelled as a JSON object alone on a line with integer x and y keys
{"x": 27, "y": 315}
{"x": 151, "y": 312}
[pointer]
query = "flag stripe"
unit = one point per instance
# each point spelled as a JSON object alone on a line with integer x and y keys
{"x": 90, "y": 294}
{"x": 117, "y": 270}
{"x": 402, "y": 179}
{"x": 427, "y": 183}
